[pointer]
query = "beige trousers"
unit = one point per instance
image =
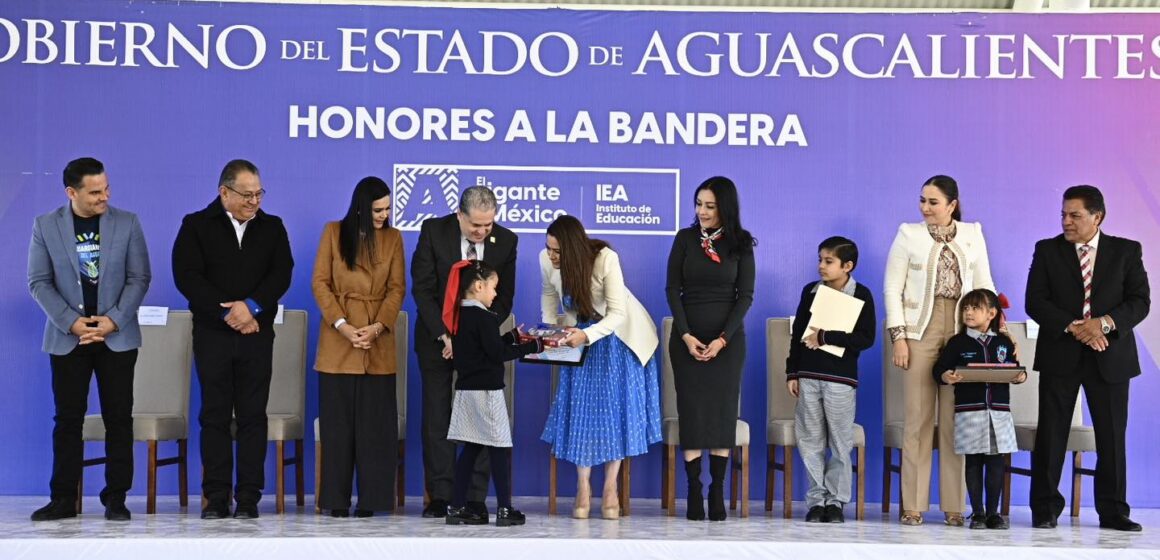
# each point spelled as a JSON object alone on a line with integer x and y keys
{"x": 924, "y": 400}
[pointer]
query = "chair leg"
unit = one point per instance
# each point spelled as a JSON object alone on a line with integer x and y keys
{"x": 625, "y": 493}
{"x": 787, "y": 482}
{"x": 745, "y": 481}
{"x": 861, "y": 512}
{"x": 551, "y": 483}
{"x": 733, "y": 478}
{"x": 183, "y": 473}
{"x": 280, "y": 477}
{"x": 671, "y": 492}
{"x": 665, "y": 479}
{"x": 299, "y": 476}
{"x": 151, "y": 479}
{"x": 317, "y": 476}
{"x": 887, "y": 462}
{"x": 1005, "y": 509}
{"x": 1076, "y": 481}
{"x": 80, "y": 490}
{"x": 769, "y": 471}
{"x": 401, "y": 475}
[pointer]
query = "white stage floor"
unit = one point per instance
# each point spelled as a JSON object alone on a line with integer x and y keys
{"x": 173, "y": 535}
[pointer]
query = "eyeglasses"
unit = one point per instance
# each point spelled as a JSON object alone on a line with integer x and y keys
{"x": 248, "y": 197}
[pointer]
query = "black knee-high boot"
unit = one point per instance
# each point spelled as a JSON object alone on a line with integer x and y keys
{"x": 695, "y": 510}
{"x": 717, "y": 467}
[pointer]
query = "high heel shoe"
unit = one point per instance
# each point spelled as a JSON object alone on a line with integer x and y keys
{"x": 610, "y": 505}
{"x": 583, "y": 502}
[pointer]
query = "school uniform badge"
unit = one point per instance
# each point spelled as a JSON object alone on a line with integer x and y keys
{"x": 1001, "y": 353}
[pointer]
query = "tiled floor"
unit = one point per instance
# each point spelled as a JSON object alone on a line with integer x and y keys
{"x": 646, "y": 523}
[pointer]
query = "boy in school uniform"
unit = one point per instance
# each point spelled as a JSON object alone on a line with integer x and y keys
{"x": 825, "y": 384}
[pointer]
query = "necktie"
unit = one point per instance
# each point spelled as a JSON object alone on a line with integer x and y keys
{"x": 1085, "y": 269}
{"x": 471, "y": 254}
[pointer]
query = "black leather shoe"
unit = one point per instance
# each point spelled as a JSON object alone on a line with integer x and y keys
{"x": 464, "y": 516}
{"x": 506, "y": 517}
{"x": 978, "y": 521}
{"x": 1120, "y": 523}
{"x": 480, "y": 509}
{"x": 1044, "y": 522}
{"x": 363, "y": 513}
{"x": 340, "y": 513}
{"x": 56, "y": 509}
{"x": 436, "y": 508}
{"x": 834, "y": 514}
{"x": 996, "y": 521}
{"x": 116, "y": 511}
{"x": 816, "y": 514}
{"x": 246, "y": 510}
{"x": 216, "y": 510}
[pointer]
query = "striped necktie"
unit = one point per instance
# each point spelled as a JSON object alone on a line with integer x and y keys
{"x": 471, "y": 254}
{"x": 1085, "y": 269}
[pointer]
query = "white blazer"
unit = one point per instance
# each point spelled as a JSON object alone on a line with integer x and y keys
{"x": 623, "y": 314}
{"x": 910, "y": 272}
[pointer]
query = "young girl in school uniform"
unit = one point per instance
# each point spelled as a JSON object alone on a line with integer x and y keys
{"x": 478, "y": 411}
{"x": 984, "y": 427}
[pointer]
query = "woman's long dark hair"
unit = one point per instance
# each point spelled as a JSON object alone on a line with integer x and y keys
{"x": 577, "y": 257}
{"x": 735, "y": 237}
{"x": 950, "y": 188}
{"x": 356, "y": 233}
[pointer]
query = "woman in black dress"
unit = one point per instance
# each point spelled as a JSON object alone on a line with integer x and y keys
{"x": 710, "y": 288}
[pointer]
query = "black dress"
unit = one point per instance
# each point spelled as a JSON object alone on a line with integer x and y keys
{"x": 708, "y": 299}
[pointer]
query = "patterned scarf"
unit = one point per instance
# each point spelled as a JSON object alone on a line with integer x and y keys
{"x": 707, "y": 240}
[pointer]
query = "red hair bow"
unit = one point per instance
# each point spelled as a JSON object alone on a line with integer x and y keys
{"x": 451, "y": 297}
{"x": 1003, "y": 303}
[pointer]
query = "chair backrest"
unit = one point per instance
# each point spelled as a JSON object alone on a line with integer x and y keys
{"x": 402, "y": 343}
{"x": 893, "y": 403}
{"x": 288, "y": 384}
{"x": 668, "y": 391}
{"x": 164, "y": 364}
{"x": 1025, "y": 396}
{"x": 779, "y": 403}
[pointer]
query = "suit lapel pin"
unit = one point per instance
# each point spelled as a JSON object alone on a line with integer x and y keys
{"x": 492, "y": 239}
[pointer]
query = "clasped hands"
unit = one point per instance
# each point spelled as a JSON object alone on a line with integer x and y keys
{"x": 1089, "y": 332}
{"x": 239, "y": 317}
{"x": 699, "y": 350}
{"x": 92, "y": 329}
{"x": 361, "y": 337}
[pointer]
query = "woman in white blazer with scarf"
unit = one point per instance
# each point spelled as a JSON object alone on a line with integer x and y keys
{"x": 930, "y": 266}
{"x": 609, "y": 407}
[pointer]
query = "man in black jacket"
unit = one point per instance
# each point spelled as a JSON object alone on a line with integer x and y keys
{"x": 470, "y": 233}
{"x": 1087, "y": 290}
{"x": 232, "y": 262}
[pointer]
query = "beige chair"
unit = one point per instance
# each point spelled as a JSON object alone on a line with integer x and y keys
{"x": 624, "y": 489}
{"x": 286, "y": 408}
{"x": 781, "y": 407}
{"x": 160, "y": 403}
{"x": 402, "y": 340}
{"x": 671, "y": 437}
{"x": 893, "y": 419}
{"x": 1025, "y": 410}
{"x": 509, "y": 394}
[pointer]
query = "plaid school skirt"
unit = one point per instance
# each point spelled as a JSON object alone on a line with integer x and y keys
{"x": 984, "y": 431}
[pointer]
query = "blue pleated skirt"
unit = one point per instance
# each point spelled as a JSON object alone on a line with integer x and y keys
{"x": 607, "y": 409}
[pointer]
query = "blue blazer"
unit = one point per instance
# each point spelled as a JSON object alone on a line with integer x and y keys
{"x": 54, "y": 277}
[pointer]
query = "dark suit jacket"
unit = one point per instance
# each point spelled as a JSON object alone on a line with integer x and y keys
{"x": 210, "y": 268}
{"x": 439, "y": 247}
{"x": 1055, "y": 298}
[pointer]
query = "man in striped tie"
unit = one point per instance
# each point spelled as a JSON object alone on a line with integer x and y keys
{"x": 1088, "y": 290}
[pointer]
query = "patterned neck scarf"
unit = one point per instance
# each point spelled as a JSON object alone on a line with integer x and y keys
{"x": 942, "y": 234}
{"x": 707, "y": 240}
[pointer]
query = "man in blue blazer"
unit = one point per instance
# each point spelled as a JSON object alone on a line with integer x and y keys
{"x": 1088, "y": 290}
{"x": 88, "y": 269}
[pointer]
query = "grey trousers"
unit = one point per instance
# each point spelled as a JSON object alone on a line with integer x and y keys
{"x": 825, "y": 418}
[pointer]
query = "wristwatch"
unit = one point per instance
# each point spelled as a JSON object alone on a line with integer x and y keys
{"x": 1104, "y": 326}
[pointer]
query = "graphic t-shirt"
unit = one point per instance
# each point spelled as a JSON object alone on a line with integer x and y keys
{"x": 88, "y": 240}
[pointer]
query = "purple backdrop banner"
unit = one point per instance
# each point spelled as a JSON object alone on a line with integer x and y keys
{"x": 829, "y": 123}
